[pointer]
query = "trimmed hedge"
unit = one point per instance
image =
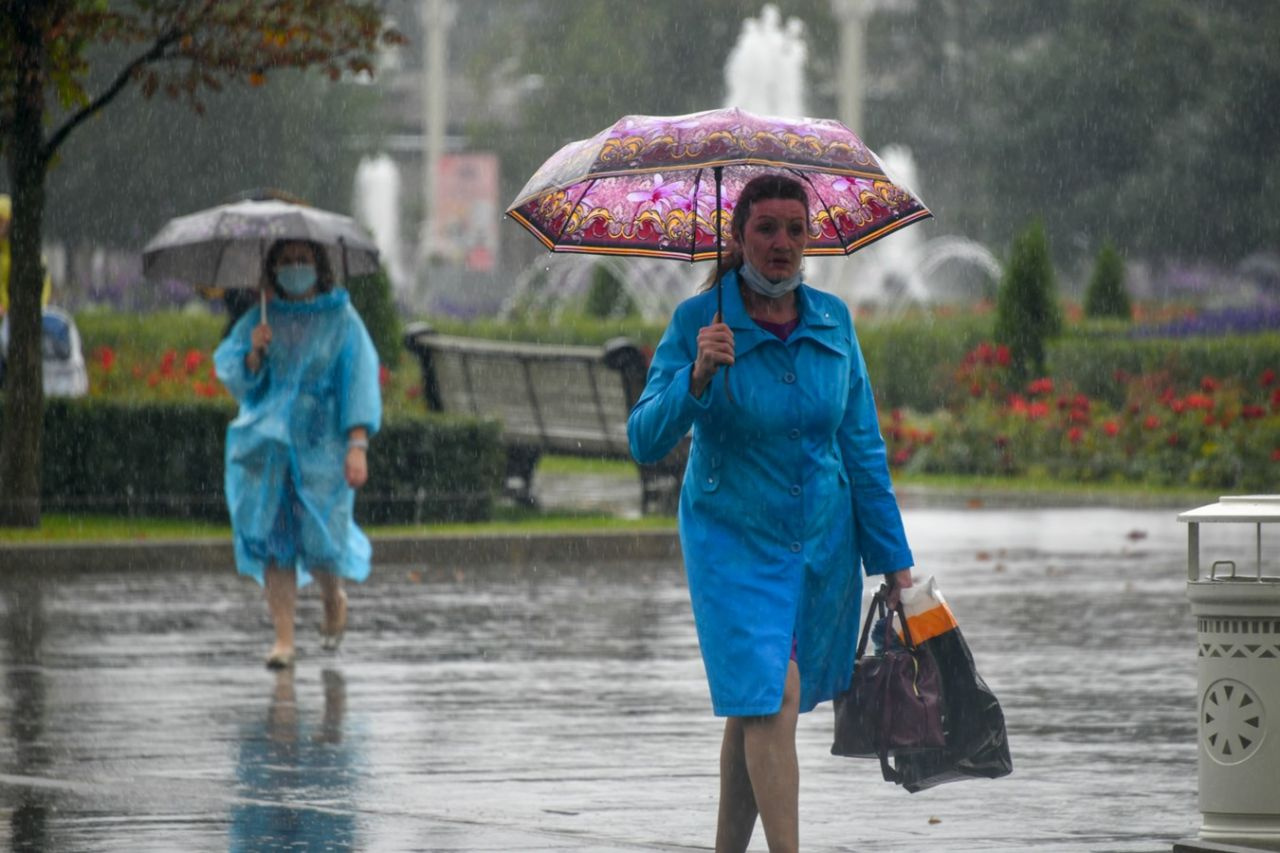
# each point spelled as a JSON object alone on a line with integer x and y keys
{"x": 912, "y": 361}
{"x": 1099, "y": 364}
{"x": 166, "y": 460}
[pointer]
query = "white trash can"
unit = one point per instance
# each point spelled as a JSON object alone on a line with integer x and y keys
{"x": 1237, "y": 613}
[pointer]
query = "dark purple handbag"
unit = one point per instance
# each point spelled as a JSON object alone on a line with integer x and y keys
{"x": 894, "y": 704}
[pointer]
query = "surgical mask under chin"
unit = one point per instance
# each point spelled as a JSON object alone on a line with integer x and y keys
{"x": 761, "y": 285}
{"x": 296, "y": 279}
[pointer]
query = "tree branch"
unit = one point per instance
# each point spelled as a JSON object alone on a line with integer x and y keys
{"x": 154, "y": 53}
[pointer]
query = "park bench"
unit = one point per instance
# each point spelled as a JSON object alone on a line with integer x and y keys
{"x": 570, "y": 400}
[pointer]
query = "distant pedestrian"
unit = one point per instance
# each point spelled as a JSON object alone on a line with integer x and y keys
{"x": 785, "y": 498}
{"x": 306, "y": 377}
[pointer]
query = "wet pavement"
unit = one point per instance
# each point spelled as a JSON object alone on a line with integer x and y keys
{"x": 549, "y": 706}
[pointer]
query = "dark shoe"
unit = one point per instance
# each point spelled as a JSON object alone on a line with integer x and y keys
{"x": 280, "y": 660}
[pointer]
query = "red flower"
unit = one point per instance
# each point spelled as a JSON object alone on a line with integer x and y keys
{"x": 1249, "y": 412}
{"x": 168, "y": 361}
{"x": 1037, "y": 410}
{"x": 1002, "y": 355}
{"x": 1208, "y": 420}
{"x": 384, "y": 375}
{"x": 1172, "y": 440}
{"x": 106, "y": 357}
{"x": 902, "y": 457}
{"x": 1275, "y": 455}
{"x": 1199, "y": 401}
{"x": 1152, "y": 422}
{"x": 1111, "y": 428}
{"x": 1075, "y": 434}
{"x": 1268, "y": 378}
{"x": 1040, "y": 386}
{"x": 1208, "y": 385}
{"x": 193, "y": 360}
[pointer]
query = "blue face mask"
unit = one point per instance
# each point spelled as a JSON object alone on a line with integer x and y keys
{"x": 755, "y": 280}
{"x": 296, "y": 279}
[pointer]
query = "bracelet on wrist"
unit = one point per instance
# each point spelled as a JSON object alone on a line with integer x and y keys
{"x": 361, "y": 443}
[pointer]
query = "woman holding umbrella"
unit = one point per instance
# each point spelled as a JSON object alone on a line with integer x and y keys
{"x": 785, "y": 498}
{"x": 306, "y": 375}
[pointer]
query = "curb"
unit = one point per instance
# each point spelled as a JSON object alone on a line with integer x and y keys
{"x": 430, "y": 552}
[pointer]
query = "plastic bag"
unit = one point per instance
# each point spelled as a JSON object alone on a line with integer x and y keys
{"x": 977, "y": 744}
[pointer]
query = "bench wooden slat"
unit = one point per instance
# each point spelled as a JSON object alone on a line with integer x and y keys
{"x": 549, "y": 398}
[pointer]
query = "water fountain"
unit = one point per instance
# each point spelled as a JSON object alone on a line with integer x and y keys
{"x": 764, "y": 74}
{"x": 377, "y": 207}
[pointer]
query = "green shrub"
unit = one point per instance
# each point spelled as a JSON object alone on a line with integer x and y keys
{"x": 566, "y": 328}
{"x": 132, "y": 458}
{"x": 1027, "y": 313}
{"x": 433, "y": 468}
{"x": 1106, "y": 295}
{"x": 371, "y": 296}
{"x": 165, "y": 459}
{"x": 1101, "y": 365}
{"x": 912, "y": 360}
{"x": 607, "y": 298}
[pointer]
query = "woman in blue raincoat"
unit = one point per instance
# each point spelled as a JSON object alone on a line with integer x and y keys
{"x": 786, "y": 498}
{"x": 306, "y": 377}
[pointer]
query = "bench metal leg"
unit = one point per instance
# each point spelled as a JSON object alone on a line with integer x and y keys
{"x": 518, "y": 483}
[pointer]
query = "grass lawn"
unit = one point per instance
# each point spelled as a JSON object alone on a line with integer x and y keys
{"x": 508, "y": 520}
{"x": 55, "y": 527}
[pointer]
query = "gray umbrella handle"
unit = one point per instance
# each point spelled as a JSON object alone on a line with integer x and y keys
{"x": 262, "y": 302}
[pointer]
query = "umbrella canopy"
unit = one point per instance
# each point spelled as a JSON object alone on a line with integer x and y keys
{"x": 224, "y": 246}
{"x": 651, "y": 185}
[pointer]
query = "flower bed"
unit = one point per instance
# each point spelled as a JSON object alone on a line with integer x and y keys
{"x": 1219, "y": 432}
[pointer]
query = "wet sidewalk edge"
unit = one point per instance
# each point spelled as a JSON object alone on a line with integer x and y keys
{"x": 442, "y": 552}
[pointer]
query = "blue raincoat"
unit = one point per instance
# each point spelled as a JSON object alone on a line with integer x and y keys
{"x": 786, "y": 495}
{"x": 288, "y": 443}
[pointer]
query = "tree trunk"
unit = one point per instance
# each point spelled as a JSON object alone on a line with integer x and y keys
{"x": 24, "y": 381}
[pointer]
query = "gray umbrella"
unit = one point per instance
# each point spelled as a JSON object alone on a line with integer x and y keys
{"x": 224, "y": 246}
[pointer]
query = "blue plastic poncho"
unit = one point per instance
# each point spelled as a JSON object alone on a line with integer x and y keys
{"x": 288, "y": 444}
{"x": 785, "y": 498}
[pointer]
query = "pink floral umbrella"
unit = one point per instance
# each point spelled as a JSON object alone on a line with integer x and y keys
{"x": 652, "y": 185}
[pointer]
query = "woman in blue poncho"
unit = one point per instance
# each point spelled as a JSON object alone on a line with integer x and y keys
{"x": 306, "y": 377}
{"x": 785, "y": 502}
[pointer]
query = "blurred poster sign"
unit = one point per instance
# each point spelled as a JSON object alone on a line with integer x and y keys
{"x": 467, "y": 211}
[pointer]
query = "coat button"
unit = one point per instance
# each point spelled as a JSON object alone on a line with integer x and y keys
{"x": 788, "y": 378}
{"x": 795, "y": 491}
{"x": 795, "y": 547}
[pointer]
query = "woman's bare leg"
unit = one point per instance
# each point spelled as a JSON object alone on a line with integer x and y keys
{"x": 335, "y": 608}
{"x": 282, "y": 599}
{"x": 738, "y": 810}
{"x": 768, "y": 754}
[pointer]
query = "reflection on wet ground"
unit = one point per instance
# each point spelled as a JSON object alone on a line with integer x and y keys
{"x": 564, "y": 707}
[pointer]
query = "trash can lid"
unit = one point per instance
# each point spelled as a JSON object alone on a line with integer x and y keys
{"x": 1241, "y": 508}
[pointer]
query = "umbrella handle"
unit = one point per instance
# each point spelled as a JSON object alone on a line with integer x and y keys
{"x": 262, "y": 302}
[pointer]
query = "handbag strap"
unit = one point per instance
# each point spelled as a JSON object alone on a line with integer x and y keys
{"x": 876, "y": 609}
{"x": 879, "y": 608}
